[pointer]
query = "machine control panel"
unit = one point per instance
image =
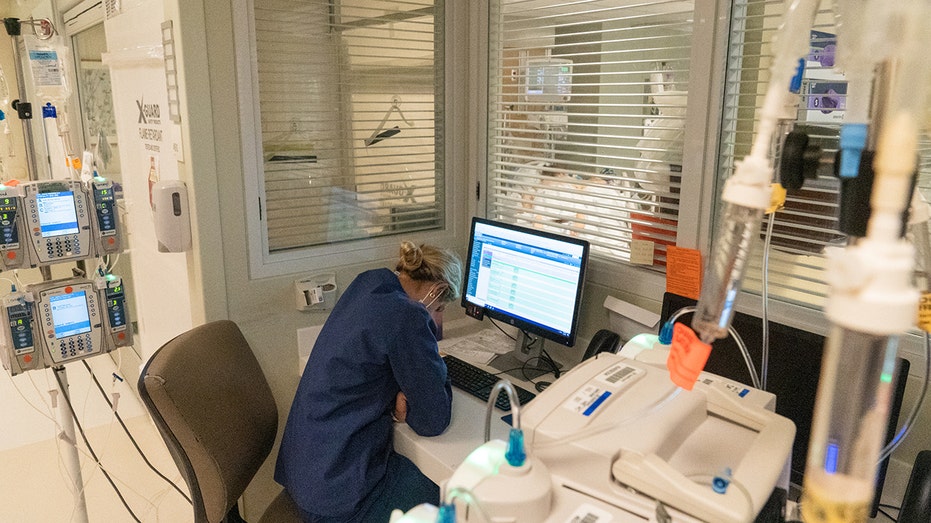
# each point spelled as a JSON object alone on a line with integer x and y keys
{"x": 107, "y": 237}
{"x": 69, "y": 320}
{"x": 117, "y": 319}
{"x": 13, "y": 253}
{"x": 54, "y": 322}
{"x": 19, "y": 352}
{"x": 58, "y": 221}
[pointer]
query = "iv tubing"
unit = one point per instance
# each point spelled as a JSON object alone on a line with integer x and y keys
{"x": 764, "y": 363}
{"x": 909, "y": 422}
{"x": 493, "y": 396}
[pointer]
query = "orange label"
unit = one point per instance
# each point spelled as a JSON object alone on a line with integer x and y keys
{"x": 683, "y": 271}
{"x": 924, "y": 312}
{"x": 687, "y": 356}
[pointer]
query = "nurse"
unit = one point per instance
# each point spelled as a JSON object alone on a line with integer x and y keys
{"x": 375, "y": 362}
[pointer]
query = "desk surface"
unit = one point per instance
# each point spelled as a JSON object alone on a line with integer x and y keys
{"x": 437, "y": 457}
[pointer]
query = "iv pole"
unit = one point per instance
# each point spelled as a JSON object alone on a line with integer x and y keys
{"x": 72, "y": 459}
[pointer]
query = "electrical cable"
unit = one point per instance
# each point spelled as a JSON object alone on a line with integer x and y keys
{"x": 91, "y": 449}
{"x": 130, "y": 436}
{"x": 493, "y": 322}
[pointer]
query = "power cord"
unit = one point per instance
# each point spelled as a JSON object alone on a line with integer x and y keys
{"x": 130, "y": 436}
{"x": 91, "y": 450}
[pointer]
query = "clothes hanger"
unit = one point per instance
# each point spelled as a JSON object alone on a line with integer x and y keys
{"x": 380, "y": 133}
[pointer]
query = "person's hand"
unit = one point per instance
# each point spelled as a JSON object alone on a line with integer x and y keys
{"x": 400, "y": 407}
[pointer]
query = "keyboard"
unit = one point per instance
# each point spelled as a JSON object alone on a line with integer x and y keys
{"x": 478, "y": 382}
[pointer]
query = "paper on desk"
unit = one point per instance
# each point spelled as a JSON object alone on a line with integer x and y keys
{"x": 480, "y": 347}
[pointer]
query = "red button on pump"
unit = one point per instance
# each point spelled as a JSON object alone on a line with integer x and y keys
{"x": 27, "y": 358}
{"x": 121, "y": 336}
{"x": 11, "y": 255}
{"x": 68, "y": 290}
{"x": 111, "y": 241}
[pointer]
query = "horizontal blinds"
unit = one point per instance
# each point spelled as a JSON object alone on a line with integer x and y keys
{"x": 809, "y": 222}
{"x": 350, "y": 99}
{"x": 586, "y": 116}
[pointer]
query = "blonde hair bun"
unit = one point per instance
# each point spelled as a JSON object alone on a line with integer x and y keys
{"x": 411, "y": 257}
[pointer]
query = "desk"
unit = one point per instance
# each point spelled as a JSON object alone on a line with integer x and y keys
{"x": 437, "y": 457}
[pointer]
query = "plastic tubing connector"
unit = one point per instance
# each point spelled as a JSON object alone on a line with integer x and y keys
{"x": 665, "y": 333}
{"x": 446, "y": 514}
{"x": 515, "y": 454}
{"x": 852, "y": 142}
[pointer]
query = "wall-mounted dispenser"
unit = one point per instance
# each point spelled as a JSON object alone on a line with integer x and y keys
{"x": 315, "y": 293}
{"x": 172, "y": 216}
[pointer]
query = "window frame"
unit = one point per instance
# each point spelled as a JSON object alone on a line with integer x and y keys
{"x": 264, "y": 264}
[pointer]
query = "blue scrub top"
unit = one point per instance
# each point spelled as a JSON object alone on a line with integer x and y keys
{"x": 376, "y": 342}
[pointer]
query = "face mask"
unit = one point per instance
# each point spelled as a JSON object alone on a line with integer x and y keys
{"x": 434, "y": 294}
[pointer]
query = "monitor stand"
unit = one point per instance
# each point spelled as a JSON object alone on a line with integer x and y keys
{"x": 525, "y": 361}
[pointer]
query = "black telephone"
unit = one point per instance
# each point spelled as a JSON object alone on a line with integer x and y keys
{"x": 603, "y": 341}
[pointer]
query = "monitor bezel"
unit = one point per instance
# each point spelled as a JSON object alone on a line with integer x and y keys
{"x": 524, "y": 325}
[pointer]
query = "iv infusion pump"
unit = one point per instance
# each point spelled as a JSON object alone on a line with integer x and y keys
{"x": 54, "y": 221}
{"x": 52, "y": 323}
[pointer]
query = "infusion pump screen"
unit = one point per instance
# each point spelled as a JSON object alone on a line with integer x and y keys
{"x": 69, "y": 314}
{"x": 57, "y": 215}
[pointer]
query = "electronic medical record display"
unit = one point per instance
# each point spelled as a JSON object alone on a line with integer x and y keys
{"x": 69, "y": 314}
{"x": 57, "y": 214}
{"x": 527, "y": 278}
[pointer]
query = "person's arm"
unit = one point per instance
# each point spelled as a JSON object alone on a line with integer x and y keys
{"x": 421, "y": 374}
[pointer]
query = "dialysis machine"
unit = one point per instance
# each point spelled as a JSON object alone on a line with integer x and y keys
{"x": 53, "y": 322}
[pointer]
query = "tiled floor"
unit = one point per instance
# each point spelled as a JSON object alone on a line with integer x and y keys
{"x": 34, "y": 483}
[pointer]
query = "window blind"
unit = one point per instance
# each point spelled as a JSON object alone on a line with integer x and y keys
{"x": 809, "y": 223}
{"x": 586, "y": 116}
{"x": 351, "y": 98}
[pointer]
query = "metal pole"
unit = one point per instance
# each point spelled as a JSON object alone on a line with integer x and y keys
{"x": 71, "y": 459}
{"x": 32, "y": 168}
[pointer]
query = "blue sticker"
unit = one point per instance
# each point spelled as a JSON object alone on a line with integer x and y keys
{"x": 591, "y": 408}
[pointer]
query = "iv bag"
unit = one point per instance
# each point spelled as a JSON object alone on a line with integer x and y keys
{"x": 47, "y": 64}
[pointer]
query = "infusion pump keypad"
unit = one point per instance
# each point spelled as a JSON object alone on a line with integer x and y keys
{"x": 70, "y": 320}
{"x": 58, "y": 221}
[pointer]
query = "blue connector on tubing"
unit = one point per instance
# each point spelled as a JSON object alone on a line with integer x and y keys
{"x": 446, "y": 514}
{"x": 49, "y": 111}
{"x": 515, "y": 454}
{"x": 665, "y": 333}
{"x": 852, "y": 142}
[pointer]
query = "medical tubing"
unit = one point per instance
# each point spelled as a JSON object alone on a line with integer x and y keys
{"x": 467, "y": 496}
{"x": 767, "y": 243}
{"x": 130, "y": 436}
{"x": 910, "y": 420}
{"x": 87, "y": 443}
{"x": 505, "y": 384}
{"x": 646, "y": 411}
{"x": 790, "y": 44}
{"x": 743, "y": 490}
{"x": 754, "y": 377}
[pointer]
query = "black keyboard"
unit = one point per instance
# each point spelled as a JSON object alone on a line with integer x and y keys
{"x": 478, "y": 382}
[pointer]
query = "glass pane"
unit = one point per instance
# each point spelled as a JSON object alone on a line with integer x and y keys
{"x": 587, "y": 114}
{"x": 351, "y": 99}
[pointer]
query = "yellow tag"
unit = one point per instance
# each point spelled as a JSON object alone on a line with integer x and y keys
{"x": 817, "y": 507}
{"x": 924, "y": 312}
{"x": 778, "y": 198}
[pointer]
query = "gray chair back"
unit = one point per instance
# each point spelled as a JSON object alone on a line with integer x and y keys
{"x": 213, "y": 407}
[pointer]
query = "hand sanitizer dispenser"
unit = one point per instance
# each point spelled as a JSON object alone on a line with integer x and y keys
{"x": 172, "y": 216}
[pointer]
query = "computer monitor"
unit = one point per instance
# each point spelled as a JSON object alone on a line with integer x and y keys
{"x": 529, "y": 279}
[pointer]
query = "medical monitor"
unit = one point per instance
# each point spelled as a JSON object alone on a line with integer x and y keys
{"x": 527, "y": 278}
{"x": 57, "y": 214}
{"x": 549, "y": 81}
{"x": 70, "y": 315}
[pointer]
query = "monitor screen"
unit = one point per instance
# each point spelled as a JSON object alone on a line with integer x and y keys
{"x": 527, "y": 278}
{"x": 69, "y": 314}
{"x": 549, "y": 81}
{"x": 57, "y": 214}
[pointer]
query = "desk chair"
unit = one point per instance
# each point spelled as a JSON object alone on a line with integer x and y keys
{"x": 213, "y": 407}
